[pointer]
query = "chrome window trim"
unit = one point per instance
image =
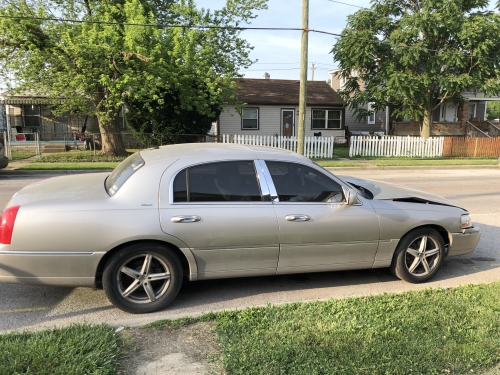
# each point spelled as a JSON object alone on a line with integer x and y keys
{"x": 262, "y": 169}
{"x": 174, "y": 176}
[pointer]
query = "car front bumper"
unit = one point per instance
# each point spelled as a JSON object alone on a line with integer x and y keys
{"x": 464, "y": 242}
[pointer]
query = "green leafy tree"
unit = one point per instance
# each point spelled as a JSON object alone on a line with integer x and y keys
{"x": 167, "y": 121}
{"x": 205, "y": 64}
{"x": 414, "y": 55}
{"x": 105, "y": 59}
{"x": 493, "y": 111}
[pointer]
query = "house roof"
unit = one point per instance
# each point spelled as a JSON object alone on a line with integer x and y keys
{"x": 285, "y": 92}
{"x": 26, "y": 97}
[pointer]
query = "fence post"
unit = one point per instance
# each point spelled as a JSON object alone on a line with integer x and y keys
{"x": 38, "y": 148}
{"x": 9, "y": 149}
{"x": 93, "y": 142}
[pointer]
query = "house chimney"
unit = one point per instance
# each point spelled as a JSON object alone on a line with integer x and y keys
{"x": 267, "y": 75}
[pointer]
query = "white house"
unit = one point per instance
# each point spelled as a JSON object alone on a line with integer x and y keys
{"x": 272, "y": 108}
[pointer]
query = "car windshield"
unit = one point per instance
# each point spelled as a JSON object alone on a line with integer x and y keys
{"x": 122, "y": 173}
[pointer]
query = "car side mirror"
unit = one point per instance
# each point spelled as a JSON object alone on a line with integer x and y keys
{"x": 351, "y": 196}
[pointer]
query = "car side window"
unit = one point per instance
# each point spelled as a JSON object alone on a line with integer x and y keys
{"x": 298, "y": 183}
{"x": 234, "y": 181}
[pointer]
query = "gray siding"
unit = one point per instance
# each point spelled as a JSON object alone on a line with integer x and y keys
{"x": 355, "y": 126}
{"x": 269, "y": 121}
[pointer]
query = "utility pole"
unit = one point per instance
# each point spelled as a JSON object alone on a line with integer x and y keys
{"x": 303, "y": 78}
{"x": 312, "y": 78}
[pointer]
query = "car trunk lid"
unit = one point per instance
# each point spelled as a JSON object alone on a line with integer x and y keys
{"x": 85, "y": 186}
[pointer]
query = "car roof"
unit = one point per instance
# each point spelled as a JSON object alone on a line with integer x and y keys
{"x": 217, "y": 151}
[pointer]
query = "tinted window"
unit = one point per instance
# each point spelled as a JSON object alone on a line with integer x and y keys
{"x": 298, "y": 183}
{"x": 218, "y": 182}
{"x": 122, "y": 173}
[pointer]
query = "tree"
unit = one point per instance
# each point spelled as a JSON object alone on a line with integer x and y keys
{"x": 166, "y": 121}
{"x": 103, "y": 59}
{"x": 493, "y": 111}
{"x": 413, "y": 55}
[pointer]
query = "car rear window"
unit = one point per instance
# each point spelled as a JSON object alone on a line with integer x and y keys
{"x": 122, "y": 173}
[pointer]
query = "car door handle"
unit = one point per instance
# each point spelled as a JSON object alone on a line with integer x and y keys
{"x": 185, "y": 219}
{"x": 298, "y": 217}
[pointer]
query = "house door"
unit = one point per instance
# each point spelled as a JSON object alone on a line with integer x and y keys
{"x": 287, "y": 122}
{"x": 449, "y": 112}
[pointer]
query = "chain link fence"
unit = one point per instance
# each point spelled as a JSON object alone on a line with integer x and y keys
{"x": 25, "y": 145}
{"x": 21, "y": 145}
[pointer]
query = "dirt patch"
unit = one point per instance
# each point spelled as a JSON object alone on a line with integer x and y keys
{"x": 190, "y": 350}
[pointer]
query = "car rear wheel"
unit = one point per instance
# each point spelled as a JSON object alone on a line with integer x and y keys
{"x": 419, "y": 255}
{"x": 142, "y": 278}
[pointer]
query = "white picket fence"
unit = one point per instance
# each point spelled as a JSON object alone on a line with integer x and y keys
{"x": 314, "y": 147}
{"x": 396, "y": 146}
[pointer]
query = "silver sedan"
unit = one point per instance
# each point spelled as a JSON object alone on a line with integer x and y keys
{"x": 208, "y": 211}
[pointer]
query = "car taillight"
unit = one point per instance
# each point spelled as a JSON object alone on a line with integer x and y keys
{"x": 7, "y": 224}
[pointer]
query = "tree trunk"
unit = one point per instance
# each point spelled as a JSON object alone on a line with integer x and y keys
{"x": 111, "y": 138}
{"x": 426, "y": 125}
{"x": 427, "y": 122}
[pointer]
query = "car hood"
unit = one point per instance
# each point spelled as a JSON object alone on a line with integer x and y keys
{"x": 66, "y": 188}
{"x": 386, "y": 191}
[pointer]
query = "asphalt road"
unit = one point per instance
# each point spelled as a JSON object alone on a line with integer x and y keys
{"x": 477, "y": 189}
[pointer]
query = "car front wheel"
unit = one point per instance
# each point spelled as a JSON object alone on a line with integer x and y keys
{"x": 142, "y": 278}
{"x": 419, "y": 255}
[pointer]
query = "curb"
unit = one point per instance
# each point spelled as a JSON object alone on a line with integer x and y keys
{"x": 20, "y": 172}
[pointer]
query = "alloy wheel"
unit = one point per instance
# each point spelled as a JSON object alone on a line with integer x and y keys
{"x": 422, "y": 256}
{"x": 143, "y": 278}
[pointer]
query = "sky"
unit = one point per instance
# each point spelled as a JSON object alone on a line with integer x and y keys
{"x": 278, "y": 52}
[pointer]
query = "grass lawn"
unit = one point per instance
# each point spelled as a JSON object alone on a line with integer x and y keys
{"x": 77, "y": 349}
{"x": 68, "y": 166}
{"x": 434, "y": 331}
{"x": 20, "y": 155}
{"x": 81, "y": 157}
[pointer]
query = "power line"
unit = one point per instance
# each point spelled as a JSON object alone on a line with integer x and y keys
{"x": 239, "y": 28}
{"x": 267, "y": 70}
{"x": 275, "y": 63}
{"x": 157, "y": 25}
{"x": 351, "y": 5}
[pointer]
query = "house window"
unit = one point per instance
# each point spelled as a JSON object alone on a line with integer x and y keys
{"x": 250, "y": 119}
{"x": 326, "y": 119}
{"x": 371, "y": 117}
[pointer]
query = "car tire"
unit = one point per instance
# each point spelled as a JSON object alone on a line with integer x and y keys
{"x": 142, "y": 278}
{"x": 418, "y": 256}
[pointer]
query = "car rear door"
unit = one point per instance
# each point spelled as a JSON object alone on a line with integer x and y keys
{"x": 318, "y": 232}
{"x": 219, "y": 211}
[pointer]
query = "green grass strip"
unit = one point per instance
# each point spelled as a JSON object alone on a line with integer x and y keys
{"x": 434, "y": 331}
{"x": 68, "y": 166}
{"x": 77, "y": 349}
{"x": 393, "y": 162}
{"x": 82, "y": 157}
{"x": 21, "y": 155}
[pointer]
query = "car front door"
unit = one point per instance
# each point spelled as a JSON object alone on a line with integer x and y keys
{"x": 318, "y": 231}
{"x": 217, "y": 209}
